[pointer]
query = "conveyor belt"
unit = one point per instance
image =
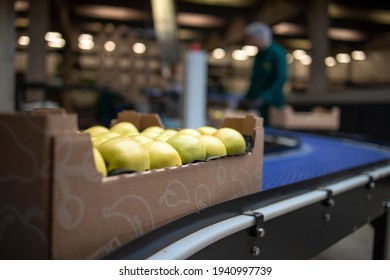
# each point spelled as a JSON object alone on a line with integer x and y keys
{"x": 318, "y": 156}
{"x": 293, "y": 179}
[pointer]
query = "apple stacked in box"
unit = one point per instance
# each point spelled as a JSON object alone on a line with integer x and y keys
{"x": 123, "y": 148}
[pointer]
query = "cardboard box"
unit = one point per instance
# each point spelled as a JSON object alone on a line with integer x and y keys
{"x": 318, "y": 119}
{"x": 55, "y": 205}
{"x": 215, "y": 116}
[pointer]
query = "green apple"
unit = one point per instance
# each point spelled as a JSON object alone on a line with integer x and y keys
{"x": 96, "y": 130}
{"x": 141, "y": 138}
{"x": 162, "y": 155}
{"x": 189, "y": 147}
{"x": 214, "y": 146}
{"x": 190, "y": 131}
{"x": 207, "y": 130}
{"x": 125, "y": 128}
{"x": 99, "y": 139}
{"x": 99, "y": 162}
{"x": 165, "y": 135}
{"x": 233, "y": 140}
{"x": 154, "y": 128}
{"x": 150, "y": 133}
{"x": 124, "y": 153}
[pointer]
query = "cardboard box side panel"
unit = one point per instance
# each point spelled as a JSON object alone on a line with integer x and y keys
{"x": 24, "y": 187}
{"x": 252, "y": 125}
{"x": 48, "y": 111}
{"x": 73, "y": 169}
{"x": 318, "y": 118}
{"x": 25, "y": 181}
{"x": 130, "y": 116}
{"x": 236, "y": 123}
{"x": 150, "y": 120}
{"x": 141, "y": 121}
{"x": 245, "y": 125}
{"x": 92, "y": 217}
{"x": 62, "y": 125}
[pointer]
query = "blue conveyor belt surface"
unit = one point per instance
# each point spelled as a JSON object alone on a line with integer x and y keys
{"x": 317, "y": 156}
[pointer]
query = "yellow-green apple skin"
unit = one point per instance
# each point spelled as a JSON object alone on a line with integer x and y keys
{"x": 162, "y": 155}
{"x": 190, "y": 148}
{"x": 234, "y": 141}
{"x": 96, "y": 130}
{"x": 99, "y": 139}
{"x": 214, "y": 146}
{"x": 99, "y": 162}
{"x": 141, "y": 138}
{"x": 125, "y": 128}
{"x": 207, "y": 130}
{"x": 190, "y": 131}
{"x": 124, "y": 153}
{"x": 154, "y": 128}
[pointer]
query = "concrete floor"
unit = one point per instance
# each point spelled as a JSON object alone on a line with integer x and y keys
{"x": 357, "y": 246}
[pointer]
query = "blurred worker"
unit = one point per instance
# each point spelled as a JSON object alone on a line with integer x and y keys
{"x": 269, "y": 71}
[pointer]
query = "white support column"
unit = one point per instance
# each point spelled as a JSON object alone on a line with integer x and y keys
{"x": 7, "y": 53}
{"x": 195, "y": 90}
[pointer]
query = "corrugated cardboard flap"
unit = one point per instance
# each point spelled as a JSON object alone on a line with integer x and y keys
{"x": 246, "y": 124}
{"x": 141, "y": 121}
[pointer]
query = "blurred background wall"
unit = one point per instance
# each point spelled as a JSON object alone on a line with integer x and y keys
{"x": 97, "y": 57}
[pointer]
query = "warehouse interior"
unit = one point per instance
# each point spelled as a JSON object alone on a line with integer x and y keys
{"x": 97, "y": 58}
{"x": 74, "y": 69}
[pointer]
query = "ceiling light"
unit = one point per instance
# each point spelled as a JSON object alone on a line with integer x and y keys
{"x": 358, "y": 55}
{"x": 199, "y": 20}
{"x": 239, "y": 55}
{"x": 299, "y": 54}
{"x": 110, "y": 12}
{"x": 344, "y": 34}
{"x": 218, "y": 53}
{"x": 24, "y": 40}
{"x": 51, "y": 36}
{"x": 21, "y": 6}
{"x": 139, "y": 48}
{"x": 343, "y": 58}
{"x": 306, "y": 60}
{"x": 230, "y": 3}
{"x": 287, "y": 28}
{"x": 86, "y": 45}
{"x": 57, "y": 43}
{"x": 85, "y": 37}
{"x": 109, "y": 46}
{"x": 330, "y": 61}
{"x": 250, "y": 50}
{"x": 86, "y": 42}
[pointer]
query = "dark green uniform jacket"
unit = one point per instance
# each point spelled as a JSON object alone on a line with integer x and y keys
{"x": 268, "y": 77}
